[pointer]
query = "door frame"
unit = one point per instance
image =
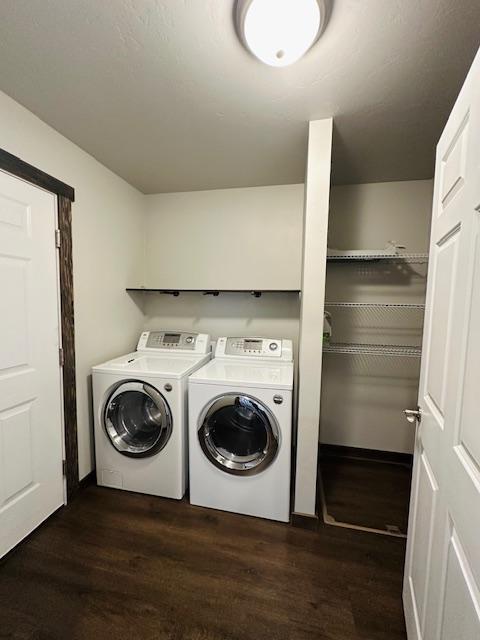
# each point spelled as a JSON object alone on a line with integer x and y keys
{"x": 65, "y": 196}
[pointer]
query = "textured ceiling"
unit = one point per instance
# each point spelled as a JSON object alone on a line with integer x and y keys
{"x": 162, "y": 92}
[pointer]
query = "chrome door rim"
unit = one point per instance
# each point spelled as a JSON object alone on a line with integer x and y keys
{"x": 235, "y": 464}
{"x": 165, "y": 430}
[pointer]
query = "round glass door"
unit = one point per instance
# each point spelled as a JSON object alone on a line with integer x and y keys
{"x": 239, "y": 434}
{"x": 137, "y": 419}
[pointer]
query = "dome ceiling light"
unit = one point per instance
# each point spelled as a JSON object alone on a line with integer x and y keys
{"x": 280, "y": 32}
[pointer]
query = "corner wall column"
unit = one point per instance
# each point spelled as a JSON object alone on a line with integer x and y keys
{"x": 315, "y": 228}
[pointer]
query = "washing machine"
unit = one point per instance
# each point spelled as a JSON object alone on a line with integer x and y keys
{"x": 240, "y": 428}
{"x": 140, "y": 406}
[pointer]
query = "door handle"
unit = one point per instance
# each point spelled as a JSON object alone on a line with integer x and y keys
{"x": 413, "y": 415}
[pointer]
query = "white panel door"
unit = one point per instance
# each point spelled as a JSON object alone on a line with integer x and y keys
{"x": 442, "y": 574}
{"x": 31, "y": 434}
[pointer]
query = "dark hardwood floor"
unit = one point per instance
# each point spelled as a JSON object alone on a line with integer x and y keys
{"x": 115, "y": 565}
{"x": 369, "y": 493}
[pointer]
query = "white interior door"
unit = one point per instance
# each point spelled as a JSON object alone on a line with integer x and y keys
{"x": 31, "y": 434}
{"x": 442, "y": 574}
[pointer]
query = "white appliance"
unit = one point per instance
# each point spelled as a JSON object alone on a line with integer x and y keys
{"x": 140, "y": 404}
{"x": 240, "y": 428}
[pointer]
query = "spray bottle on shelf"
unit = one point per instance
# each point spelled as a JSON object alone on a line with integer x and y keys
{"x": 327, "y": 327}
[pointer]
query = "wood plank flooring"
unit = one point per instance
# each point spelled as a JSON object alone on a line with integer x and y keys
{"x": 115, "y": 565}
{"x": 369, "y": 493}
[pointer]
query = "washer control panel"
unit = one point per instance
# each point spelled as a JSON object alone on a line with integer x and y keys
{"x": 174, "y": 341}
{"x": 246, "y": 347}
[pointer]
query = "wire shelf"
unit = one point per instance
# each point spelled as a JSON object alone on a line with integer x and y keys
{"x": 375, "y": 305}
{"x": 411, "y": 258}
{"x": 373, "y": 349}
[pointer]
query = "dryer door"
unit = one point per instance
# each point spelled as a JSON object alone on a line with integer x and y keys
{"x": 239, "y": 434}
{"x": 137, "y": 419}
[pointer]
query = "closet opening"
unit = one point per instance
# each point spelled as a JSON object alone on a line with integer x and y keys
{"x": 377, "y": 265}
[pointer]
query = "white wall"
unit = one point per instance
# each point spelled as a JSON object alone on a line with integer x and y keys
{"x": 273, "y": 314}
{"x": 366, "y": 216}
{"x": 237, "y": 314}
{"x": 363, "y": 397}
{"x": 225, "y": 239}
{"x": 108, "y": 244}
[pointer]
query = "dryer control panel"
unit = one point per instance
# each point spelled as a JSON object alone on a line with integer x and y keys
{"x": 247, "y": 347}
{"x": 174, "y": 341}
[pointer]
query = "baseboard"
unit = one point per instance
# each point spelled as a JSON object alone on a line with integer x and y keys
{"x": 305, "y": 521}
{"x": 358, "y": 453}
{"x": 90, "y": 478}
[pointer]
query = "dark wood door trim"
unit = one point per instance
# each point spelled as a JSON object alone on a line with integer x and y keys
{"x": 68, "y": 344}
{"x": 21, "y": 169}
{"x": 65, "y": 196}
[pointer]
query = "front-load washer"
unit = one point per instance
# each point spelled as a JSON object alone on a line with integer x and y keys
{"x": 240, "y": 428}
{"x": 140, "y": 405}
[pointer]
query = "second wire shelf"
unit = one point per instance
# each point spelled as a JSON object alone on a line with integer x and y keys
{"x": 376, "y": 305}
{"x": 373, "y": 349}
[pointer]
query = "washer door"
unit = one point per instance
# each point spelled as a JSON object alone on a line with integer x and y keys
{"x": 239, "y": 434}
{"x": 137, "y": 419}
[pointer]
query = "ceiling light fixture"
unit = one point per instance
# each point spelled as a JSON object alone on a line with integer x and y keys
{"x": 280, "y": 32}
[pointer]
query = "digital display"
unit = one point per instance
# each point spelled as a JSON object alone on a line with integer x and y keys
{"x": 254, "y": 345}
{"x": 171, "y": 338}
